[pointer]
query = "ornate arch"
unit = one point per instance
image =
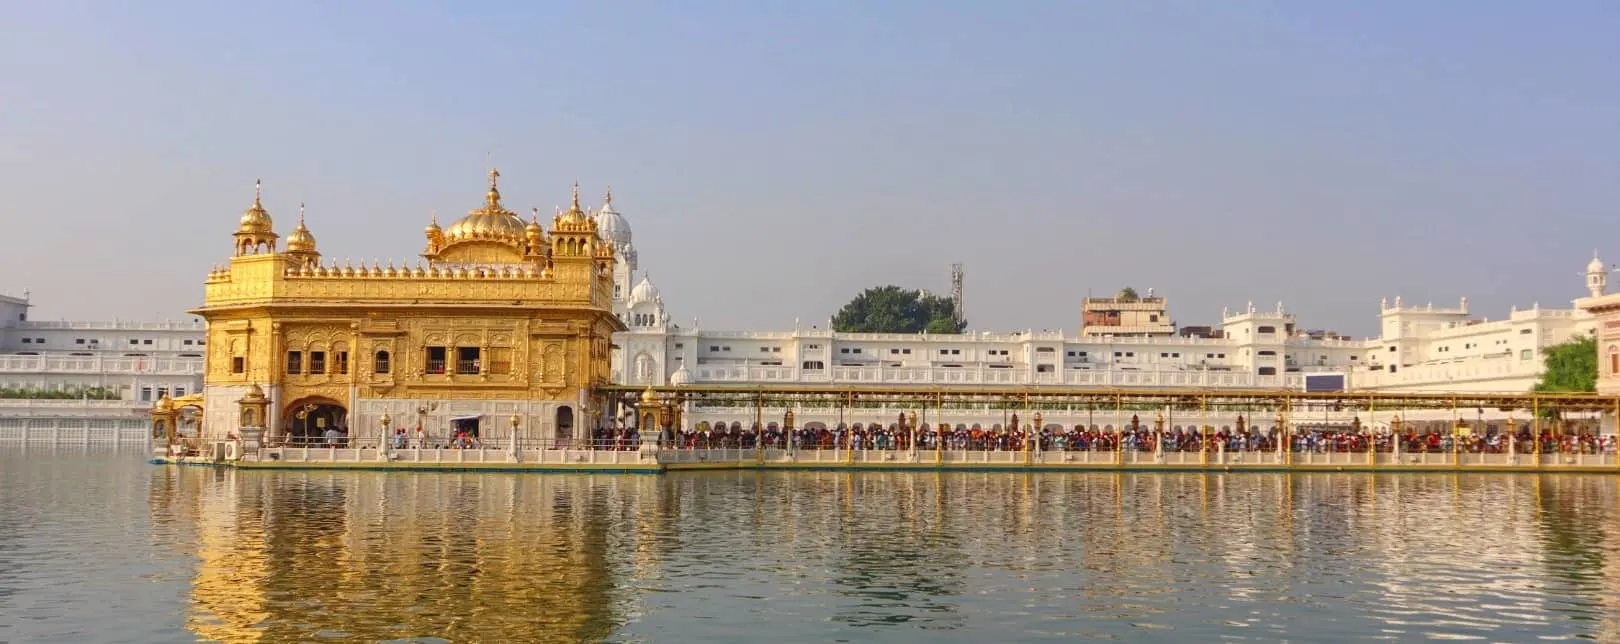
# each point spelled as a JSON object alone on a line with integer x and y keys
{"x": 645, "y": 367}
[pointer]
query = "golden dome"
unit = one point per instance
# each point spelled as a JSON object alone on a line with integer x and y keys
{"x": 492, "y": 222}
{"x": 300, "y": 240}
{"x": 163, "y": 404}
{"x": 575, "y": 214}
{"x": 256, "y": 219}
{"x": 433, "y": 226}
{"x": 648, "y": 395}
{"x": 534, "y": 229}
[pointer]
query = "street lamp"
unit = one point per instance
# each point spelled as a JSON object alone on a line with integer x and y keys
{"x": 382, "y": 440}
{"x": 516, "y": 419}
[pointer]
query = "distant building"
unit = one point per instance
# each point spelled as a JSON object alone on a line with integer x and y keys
{"x": 1126, "y": 315}
{"x": 1605, "y": 308}
{"x": 1127, "y": 342}
{"x": 1205, "y": 332}
{"x": 109, "y": 368}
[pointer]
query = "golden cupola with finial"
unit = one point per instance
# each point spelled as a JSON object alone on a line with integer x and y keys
{"x": 536, "y": 245}
{"x": 301, "y": 244}
{"x": 256, "y": 234}
{"x": 489, "y": 234}
{"x": 575, "y": 219}
{"x": 435, "y": 236}
{"x": 573, "y": 232}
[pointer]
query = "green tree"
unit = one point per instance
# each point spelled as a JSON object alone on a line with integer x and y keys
{"x": 1128, "y": 294}
{"x": 891, "y": 309}
{"x": 1571, "y": 367}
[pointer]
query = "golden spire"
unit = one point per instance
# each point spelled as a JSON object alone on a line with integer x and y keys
{"x": 534, "y": 223}
{"x": 256, "y": 220}
{"x": 493, "y": 200}
{"x": 300, "y": 241}
{"x": 576, "y": 197}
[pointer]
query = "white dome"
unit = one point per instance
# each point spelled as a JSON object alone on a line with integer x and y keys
{"x": 1596, "y": 266}
{"x": 680, "y": 377}
{"x": 609, "y": 225}
{"x": 612, "y": 227}
{"x": 643, "y": 292}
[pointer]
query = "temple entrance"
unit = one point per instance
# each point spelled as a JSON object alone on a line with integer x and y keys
{"x": 317, "y": 421}
{"x": 565, "y": 424}
{"x": 188, "y": 421}
{"x": 464, "y": 431}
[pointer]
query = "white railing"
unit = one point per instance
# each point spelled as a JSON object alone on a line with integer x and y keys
{"x": 1019, "y": 375}
{"x": 9, "y": 404}
{"x": 73, "y": 431}
{"x": 1443, "y": 375}
{"x": 114, "y": 325}
{"x": 99, "y": 364}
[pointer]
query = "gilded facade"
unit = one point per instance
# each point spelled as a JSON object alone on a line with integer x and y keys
{"x": 501, "y": 317}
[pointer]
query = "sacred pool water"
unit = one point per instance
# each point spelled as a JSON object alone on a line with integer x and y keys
{"x": 96, "y": 545}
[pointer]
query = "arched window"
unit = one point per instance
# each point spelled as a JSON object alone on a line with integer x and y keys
{"x": 644, "y": 368}
{"x": 381, "y": 365}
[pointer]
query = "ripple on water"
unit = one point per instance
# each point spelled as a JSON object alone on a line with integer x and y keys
{"x": 99, "y": 546}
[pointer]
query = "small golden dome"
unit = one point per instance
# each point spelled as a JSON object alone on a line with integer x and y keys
{"x": 534, "y": 229}
{"x": 492, "y": 222}
{"x": 433, "y": 226}
{"x": 163, "y": 404}
{"x": 300, "y": 240}
{"x": 575, "y": 214}
{"x": 256, "y": 219}
{"x": 648, "y": 395}
{"x": 254, "y": 393}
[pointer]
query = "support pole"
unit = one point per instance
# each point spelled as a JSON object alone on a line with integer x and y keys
{"x": 1372, "y": 432}
{"x": 1119, "y": 433}
{"x": 1032, "y": 440}
{"x": 1457, "y": 439}
{"x": 1285, "y": 440}
{"x": 1535, "y": 427}
{"x": 1203, "y": 429}
{"x": 1513, "y": 442}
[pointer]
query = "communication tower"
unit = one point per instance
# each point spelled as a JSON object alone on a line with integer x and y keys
{"x": 956, "y": 293}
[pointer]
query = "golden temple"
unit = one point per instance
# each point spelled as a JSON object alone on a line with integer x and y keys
{"x": 503, "y": 319}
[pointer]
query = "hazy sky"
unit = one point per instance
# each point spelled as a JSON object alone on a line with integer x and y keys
{"x": 774, "y": 158}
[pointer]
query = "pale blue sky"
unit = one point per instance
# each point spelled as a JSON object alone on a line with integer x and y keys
{"x": 776, "y": 157}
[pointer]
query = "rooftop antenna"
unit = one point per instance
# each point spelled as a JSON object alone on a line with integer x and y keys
{"x": 959, "y": 308}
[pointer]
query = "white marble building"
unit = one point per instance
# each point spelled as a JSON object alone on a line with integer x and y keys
{"x": 90, "y": 380}
{"x": 1423, "y": 348}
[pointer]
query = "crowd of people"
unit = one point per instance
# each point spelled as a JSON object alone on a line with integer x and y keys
{"x": 1136, "y": 436}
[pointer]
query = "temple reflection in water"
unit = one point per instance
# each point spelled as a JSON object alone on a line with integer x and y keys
{"x": 293, "y": 555}
{"x": 465, "y": 557}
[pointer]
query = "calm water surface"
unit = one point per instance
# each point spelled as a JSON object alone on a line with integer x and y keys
{"x": 98, "y": 546}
